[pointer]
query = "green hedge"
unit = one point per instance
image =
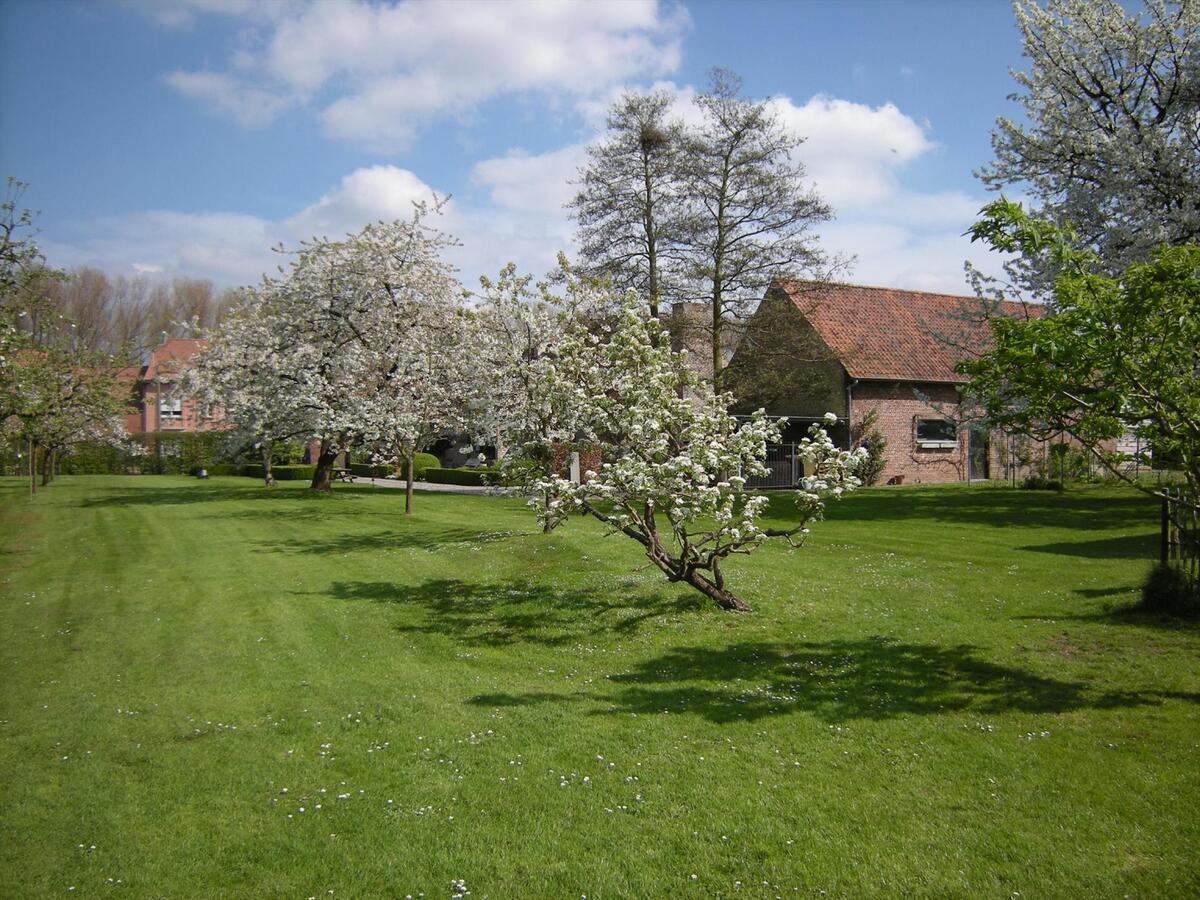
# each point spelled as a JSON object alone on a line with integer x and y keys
{"x": 223, "y": 469}
{"x": 281, "y": 473}
{"x": 160, "y": 453}
{"x": 472, "y": 477}
{"x": 422, "y": 462}
{"x": 362, "y": 470}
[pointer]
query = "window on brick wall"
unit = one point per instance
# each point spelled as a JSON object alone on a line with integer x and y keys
{"x": 170, "y": 405}
{"x": 936, "y": 434}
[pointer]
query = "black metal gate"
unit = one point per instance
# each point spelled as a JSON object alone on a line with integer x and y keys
{"x": 784, "y": 468}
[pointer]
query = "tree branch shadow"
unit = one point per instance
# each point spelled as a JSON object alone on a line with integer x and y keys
{"x": 500, "y": 614}
{"x": 420, "y": 537}
{"x": 837, "y": 681}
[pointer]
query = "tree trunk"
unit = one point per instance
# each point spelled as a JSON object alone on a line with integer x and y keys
{"x": 408, "y": 483}
{"x": 323, "y": 477}
{"x": 720, "y": 596}
{"x": 268, "y": 475}
{"x": 47, "y": 467}
{"x": 32, "y": 467}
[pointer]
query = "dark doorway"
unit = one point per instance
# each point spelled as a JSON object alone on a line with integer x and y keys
{"x": 979, "y": 456}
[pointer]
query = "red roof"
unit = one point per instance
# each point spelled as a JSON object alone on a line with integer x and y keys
{"x": 885, "y": 334}
{"x": 171, "y": 357}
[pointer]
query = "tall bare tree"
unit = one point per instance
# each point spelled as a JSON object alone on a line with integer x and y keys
{"x": 750, "y": 213}
{"x": 628, "y": 204}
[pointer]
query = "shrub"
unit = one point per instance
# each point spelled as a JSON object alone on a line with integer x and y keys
{"x": 161, "y": 453}
{"x": 363, "y": 470}
{"x": 1168, "y": 590}
{"x": 291, "y": 473}
{"x": 422, "y": 462}
{"x": 281, "y": 473}
{"x": 222, "y": 469}
{"x": 867, "y": 434}
{"x": 1041, "y": 483}
{"x": 470, "y": 477}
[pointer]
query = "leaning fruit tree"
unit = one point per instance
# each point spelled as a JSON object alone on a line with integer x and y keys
{"x": 675, "y": 461}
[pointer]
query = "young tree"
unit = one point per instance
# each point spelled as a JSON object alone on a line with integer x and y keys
{"x": 54, "y": 392}
{"x": 1111, "y": 143}
{"x": 1118, "y": 353}
{"x": 750, "y": 214}
{"x": 628, "y": 206}
{"x": 427, "y": 390}
{"x": 674, "y": 467}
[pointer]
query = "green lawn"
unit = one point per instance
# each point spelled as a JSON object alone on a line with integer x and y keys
{"x": 214, "y": 689}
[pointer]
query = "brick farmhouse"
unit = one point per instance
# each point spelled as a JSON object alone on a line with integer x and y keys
{"x": 815, "y": 347}
{"x": 157, "y": 399}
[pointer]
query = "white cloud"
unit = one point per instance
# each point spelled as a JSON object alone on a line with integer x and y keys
{"x": 250, "y": 106}
{"x": 540, "y": 184}
{"x": 365, "y": 195}
{"x": 383, "y": 71}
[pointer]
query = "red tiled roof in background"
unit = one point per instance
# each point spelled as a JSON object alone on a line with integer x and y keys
{"x": 885, "y": 334}
{"x": 170, "y": 358}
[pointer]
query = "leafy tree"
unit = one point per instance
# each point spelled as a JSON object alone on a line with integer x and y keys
{"x": 1111, "y": 143}
{"x": 628, "y": 207}
{"x": 54, "y": 392}
{"x": 675, "y": 461}
{"x": 1116, "y": 354}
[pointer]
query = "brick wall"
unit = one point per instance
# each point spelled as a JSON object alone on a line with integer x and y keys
{"x": 898, "y": 408}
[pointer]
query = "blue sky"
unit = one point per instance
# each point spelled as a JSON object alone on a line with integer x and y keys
{"x": 186, "y": 137}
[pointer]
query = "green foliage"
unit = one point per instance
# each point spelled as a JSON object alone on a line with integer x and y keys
{"x": 479, "y": 477}
{"x": 365, "y": 470}
{"x": 867, "y": 433}
{"x": 224, "y": 469}
{"x": 1041, "y": 483}
{"x": 1168, "y": 590}
{"x": 1113, "y": 354}
{"x": 421, "y": 463}
{"x": 149, "y": 453}
{"x": 280, "y": 473}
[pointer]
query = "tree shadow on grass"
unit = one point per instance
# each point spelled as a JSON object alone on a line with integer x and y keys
{"x": 202, "y": 492}
{"x": 836, "y": 681}
{"x": 989, "y": 505}
{"x": 1124, "y": 615}
{"x": 1136, "y": 546}
{"x": 420, "y": 537}
{"x": 505, "y": 613}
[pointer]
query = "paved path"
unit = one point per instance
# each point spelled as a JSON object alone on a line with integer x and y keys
{"x": 422, "y": 485}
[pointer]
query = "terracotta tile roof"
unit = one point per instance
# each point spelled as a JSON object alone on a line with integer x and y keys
{"x": 170, "y": 358}
{"x": 885, "y": 334}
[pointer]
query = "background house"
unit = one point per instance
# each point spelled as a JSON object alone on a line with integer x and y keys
{"x": 816, "y": 347}
{"x": 157, "y": 399}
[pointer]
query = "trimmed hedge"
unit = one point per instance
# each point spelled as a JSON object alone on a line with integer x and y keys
{"x": 281, "y": 473}
{"x": 161, "y": 453}
{"x": 362, "y": 470}
{"x": 222, "y": 469}
{"x": 422, "y": 462}
{"x": 480, "y": 477}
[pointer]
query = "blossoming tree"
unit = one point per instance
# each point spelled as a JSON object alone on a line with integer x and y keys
{"x": 675, "y": 462}
{"x": 331, "y": 338}
{"x": 241, "y": 374}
